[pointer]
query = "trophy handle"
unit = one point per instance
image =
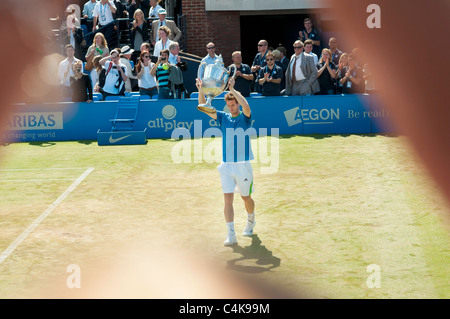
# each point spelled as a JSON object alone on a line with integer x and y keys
{"x": 201, "y": 70}
{"x": 233, "y": 66}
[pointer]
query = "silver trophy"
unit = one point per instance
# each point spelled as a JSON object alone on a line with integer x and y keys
{"x": 214, "y": 79}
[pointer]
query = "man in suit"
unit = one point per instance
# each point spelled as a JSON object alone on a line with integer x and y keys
{"x": 175, "y": 32}
{"x": 301, "y": 74}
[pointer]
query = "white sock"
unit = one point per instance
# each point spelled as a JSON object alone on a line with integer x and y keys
{"x": 251, "y": 217}
{"x": 230, "y": 227}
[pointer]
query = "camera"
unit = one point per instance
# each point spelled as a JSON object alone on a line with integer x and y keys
{"x": 163, "y": 59}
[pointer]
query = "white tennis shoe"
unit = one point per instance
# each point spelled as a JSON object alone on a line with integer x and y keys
{"x": 248, "y": 231}
{"x": 231, "y": 240}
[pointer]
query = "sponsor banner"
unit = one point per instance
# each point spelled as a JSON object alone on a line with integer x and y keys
{"x": 380, "y": 117}
{"x": 289, "y": 115}
{"x": 24, "y": 121}
{"x": 347, "y": 114}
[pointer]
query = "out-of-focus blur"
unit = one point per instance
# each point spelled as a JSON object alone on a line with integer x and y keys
{"x": 408, "y": 57}
{"x": 27, "y": 76}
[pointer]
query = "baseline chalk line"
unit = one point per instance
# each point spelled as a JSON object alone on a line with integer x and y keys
{"x": 5, "y": 254}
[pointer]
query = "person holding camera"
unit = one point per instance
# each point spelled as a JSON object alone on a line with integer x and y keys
{"x": 147, "y": 82}
{"x": 161, "y": 70}
{"x": 81, "y": 84}
{"x": 113, "y": 80}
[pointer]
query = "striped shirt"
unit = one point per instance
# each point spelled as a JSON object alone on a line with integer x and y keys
{"x": 162, "y": 76}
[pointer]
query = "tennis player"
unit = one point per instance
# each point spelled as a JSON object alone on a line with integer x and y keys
{"x": 236, "y": 172}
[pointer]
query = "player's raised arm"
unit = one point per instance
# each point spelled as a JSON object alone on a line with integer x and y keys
{"x": 241, "y": 100}
{"x": 202, "y": 98}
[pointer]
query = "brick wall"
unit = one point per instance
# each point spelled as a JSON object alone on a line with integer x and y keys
{"x": 221, "y": 27}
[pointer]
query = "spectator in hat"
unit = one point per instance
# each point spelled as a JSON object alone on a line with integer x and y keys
{"x": 175, "y": 32}
{"x": 125, "y": 56}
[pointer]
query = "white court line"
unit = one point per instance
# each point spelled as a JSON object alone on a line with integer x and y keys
{"x": 38, "y": 220}
{"x": 37, "y": 180}
{"x": 37, "y": 169}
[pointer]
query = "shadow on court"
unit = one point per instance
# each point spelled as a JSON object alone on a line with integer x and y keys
{"x": 264, "y": 259}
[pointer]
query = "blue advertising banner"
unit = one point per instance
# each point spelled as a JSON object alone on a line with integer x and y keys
{"x": 337, "y": 114}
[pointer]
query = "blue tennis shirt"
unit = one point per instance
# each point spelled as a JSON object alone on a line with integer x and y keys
{"x": 236, "y": 131}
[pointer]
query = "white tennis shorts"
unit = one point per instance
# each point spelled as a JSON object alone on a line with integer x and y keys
{"x": 236, "y": 178}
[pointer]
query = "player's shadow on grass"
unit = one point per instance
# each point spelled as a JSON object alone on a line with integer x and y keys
{"x": 42, "y": 144}
{"x": 264, "y": 259}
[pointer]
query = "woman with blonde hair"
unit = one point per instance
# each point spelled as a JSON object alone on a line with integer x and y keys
{"x": 326, "y": 73}
{"x": 139, "y": 30}
{"x": 340, "y": 72}
{"x": 100, "y": 48}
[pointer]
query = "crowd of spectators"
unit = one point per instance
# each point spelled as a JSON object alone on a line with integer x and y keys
{"x": 150, "y": 63}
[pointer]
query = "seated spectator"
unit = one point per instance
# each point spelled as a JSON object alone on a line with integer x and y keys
{"x": 65, "y": 71}
{"x": 335, "y": 52}
{"x": 163, "y": 42}
{"x": 326, "y": 74}
{"x": 174, "y": 34}
{"x": 81, "y": 84}
{"x": 154, "y": 8}
{"x": 147, "y": 81}
{"x": 308, "y": 50}
{"x": 125, "y": 56}
{"x": 270, "y": 77}
{"x": 162, "y": 70}
{"x": 340, "y": 72}
{"x": 139, "y": 30}
{"x": 113, "y": 82}
{"x": 244, "y": 75}
{"x": 353, "y": 81}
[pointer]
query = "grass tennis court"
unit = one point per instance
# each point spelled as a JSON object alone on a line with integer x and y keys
{"x": 337, "y": 205}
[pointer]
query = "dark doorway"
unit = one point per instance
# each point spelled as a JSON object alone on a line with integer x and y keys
{"x": 281, "y": 29}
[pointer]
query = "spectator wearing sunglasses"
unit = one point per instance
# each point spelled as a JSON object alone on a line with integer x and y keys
{"x": 270, "y": 77}
{"x": 301, "y": 74}
{"x": 259, "y": 61}
{"x": 210, "y": 58}
{"x": 147, "y": 82}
